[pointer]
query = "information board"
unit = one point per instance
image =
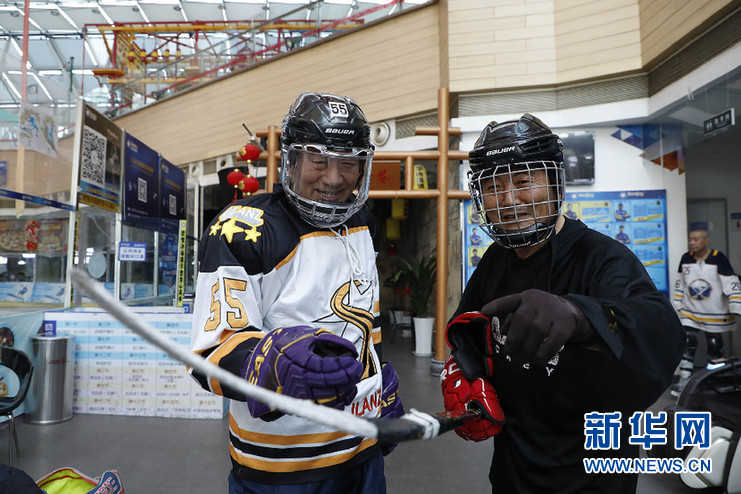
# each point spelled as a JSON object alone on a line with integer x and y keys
{"x": 172, "y": 191}
{"x": 117, "y": 372}
{"x": 141, "y": 184}
{"x": 635, "y": 218}
{"x": 99, "y": 161}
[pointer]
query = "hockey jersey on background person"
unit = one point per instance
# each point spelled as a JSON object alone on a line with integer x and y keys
{"x": 707, "y": 294}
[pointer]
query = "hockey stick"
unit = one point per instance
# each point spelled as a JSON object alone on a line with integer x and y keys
{"x": 413, "y": 425}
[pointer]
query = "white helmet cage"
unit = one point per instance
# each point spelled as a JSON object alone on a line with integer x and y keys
{"x": 524, "y": 201}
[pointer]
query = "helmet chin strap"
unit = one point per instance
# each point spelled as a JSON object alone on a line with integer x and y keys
{"x": 523, "y": 237}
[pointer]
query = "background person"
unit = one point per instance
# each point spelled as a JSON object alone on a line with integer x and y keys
{"x": 706, "y": 296}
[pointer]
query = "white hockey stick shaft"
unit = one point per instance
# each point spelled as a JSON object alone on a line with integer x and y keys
{"x": 301, "y": 408}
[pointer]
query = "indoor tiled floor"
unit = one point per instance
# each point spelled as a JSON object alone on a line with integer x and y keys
{"x": 158, "y": 456}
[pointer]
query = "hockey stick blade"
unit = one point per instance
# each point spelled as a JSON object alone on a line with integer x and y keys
{"x": 412, "y": 426}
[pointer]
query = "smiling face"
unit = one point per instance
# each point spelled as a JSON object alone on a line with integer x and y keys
{"x": 326, "y": 179}
{"x": 516, "y": 200}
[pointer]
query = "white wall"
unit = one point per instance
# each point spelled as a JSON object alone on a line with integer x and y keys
{"x": 714, "y": 172}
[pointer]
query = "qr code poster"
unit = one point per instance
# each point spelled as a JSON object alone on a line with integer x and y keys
{"x": 92, "y": 157}
{"x": 172, "y": 191}
{"x": 141, "y": 189}
{"x": 99, "y": 162}
{"x": 141, "y": 182}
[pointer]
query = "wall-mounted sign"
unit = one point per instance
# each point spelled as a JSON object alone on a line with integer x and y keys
{"x": 635, "y": 218}
{"x": 99, "y": 161}
{"x": 172, "y": 191}
{"x": 385, "y": 175}
{"x": 132, "y": 251}
{"x": 141, "y": 184}
{"x": 725, "y": 119}
{"x": 736, "y": 222}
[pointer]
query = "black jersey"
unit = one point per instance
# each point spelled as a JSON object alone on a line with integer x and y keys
{"x": 640, "y": 343}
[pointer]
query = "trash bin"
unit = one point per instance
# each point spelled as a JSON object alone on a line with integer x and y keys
{"x": 50, "y": 398}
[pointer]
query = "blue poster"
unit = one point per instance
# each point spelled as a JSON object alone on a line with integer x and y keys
{"x": 475, "y": 240}
{"x": 168, "y": 263}
{"x": 636, "y": 219}
{"x": 16, "y": 291}
{"x": 48, "y": 293}
{"x": 3, "y": 173}
{"x": 141, "y": 183}
{"x": 172, "y": 191}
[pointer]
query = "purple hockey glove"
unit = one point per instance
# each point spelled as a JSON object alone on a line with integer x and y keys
{"x": 304, "y": 362}
{"x": 391, "y": 406}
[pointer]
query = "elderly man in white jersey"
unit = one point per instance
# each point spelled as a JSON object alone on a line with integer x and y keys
{"x": 706, "y": 296}
{"x": 288, "y": 298}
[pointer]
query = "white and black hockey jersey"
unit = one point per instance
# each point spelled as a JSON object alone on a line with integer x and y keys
{"x": 707, "y": 293}
{"x": 262, "y": 268}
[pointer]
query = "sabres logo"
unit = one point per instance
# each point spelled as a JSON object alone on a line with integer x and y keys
{"x": 238, "y": 220}
{"x": 700, "y": 289}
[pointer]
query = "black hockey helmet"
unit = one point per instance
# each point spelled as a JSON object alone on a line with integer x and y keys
{"x": 515, "y": 141}
{"x": 332, "y": 130}
{"x": 328, "y": 119}
{"x": 513, "y": 148}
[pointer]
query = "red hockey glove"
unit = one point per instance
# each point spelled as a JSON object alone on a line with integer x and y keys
{"x": 461, "y": 394}
{"x": 470, "y": 339}
{"x": 538, "y": 324}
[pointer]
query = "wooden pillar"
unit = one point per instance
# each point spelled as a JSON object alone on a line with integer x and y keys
{"x": 443, "y": 111}
{"x": 272, "y": 160}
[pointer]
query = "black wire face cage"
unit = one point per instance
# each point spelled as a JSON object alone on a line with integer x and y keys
{"x": 324, "y": 214}
{"x": 519, "y": 203}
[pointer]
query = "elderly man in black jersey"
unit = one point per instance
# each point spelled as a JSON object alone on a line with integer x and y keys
{"x": 557, "y": 321}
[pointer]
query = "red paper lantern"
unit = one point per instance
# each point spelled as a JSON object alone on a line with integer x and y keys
{"x": 249, "y": 152}
{"x": 249, "y": 185}
{"x": 234, "y": 177}
{"x": 32, "y": 235}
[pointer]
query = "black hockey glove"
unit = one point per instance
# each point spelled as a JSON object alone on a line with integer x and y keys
{"x": 538, "y": 324}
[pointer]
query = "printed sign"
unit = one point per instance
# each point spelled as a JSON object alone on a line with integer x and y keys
{"x": 141, "y": 182}
{"x": 132, "y": 251}
{"x": 172, "y": 191}
{"x": 38, "y": 132}
{"x": 99, "y": 161}
{"x": 636, "y": 219}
